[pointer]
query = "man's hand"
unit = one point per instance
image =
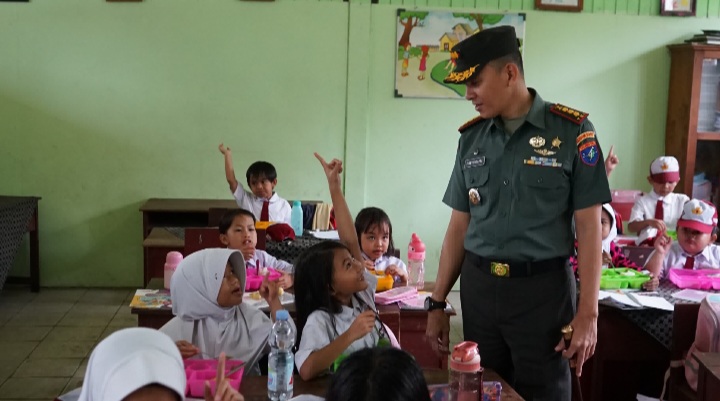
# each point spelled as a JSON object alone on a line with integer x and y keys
{"x": 437, "y": 332}
{"x": 584, "y": 339}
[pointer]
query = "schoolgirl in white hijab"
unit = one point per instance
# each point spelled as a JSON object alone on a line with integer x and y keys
{"x": 210, "y": 318}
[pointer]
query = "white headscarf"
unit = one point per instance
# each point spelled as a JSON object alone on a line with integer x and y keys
{"x": 239, "y": 331}
{"x": 613, "y": 229}
{"x": 130, "y": 359}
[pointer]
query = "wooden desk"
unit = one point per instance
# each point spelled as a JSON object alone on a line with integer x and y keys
{"x": 18, "y": 215}
{"x": 255, "y": 388}
{"x": 172, "y": 213}
{"x": 708, "y": 376}
{"x": 408, "y": 325}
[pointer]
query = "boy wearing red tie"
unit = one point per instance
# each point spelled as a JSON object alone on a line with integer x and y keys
{"x": 658, "y": 211}
{"x": 695, "y": 248}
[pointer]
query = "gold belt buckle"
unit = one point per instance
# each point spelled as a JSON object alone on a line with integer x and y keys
{"x": 500, "y": 269}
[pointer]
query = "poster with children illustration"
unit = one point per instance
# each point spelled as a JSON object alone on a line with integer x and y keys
{"x": 424, "y": 48}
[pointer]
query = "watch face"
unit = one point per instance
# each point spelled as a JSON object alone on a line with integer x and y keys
{"x": 427, "y": 303}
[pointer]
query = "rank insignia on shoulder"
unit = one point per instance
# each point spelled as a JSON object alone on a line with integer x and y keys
{"x": 470, "y": 123}
{"x": 568, "y": 113}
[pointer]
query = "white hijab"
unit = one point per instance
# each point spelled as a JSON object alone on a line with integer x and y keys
{"x": 130, "y": 359}
{"x": 613, "y": 229}
{"x": 240, "y": 331}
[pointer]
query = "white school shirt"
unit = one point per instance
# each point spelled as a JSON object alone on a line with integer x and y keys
{"x": 384, "y": 261}
{"x": 264, "y": 259}
{"x": 278, "y": 209}
{"x": 644, "y": 208}
{"x": 319, "y": 332}
{"x": 709, "y": 258}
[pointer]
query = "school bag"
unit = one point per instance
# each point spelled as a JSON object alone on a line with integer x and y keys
{"x": 707, "y": 336}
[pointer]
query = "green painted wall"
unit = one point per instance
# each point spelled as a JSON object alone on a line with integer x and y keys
{"x": 104, "y": 105}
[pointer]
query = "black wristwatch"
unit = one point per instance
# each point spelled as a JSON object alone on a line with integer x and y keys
{"x": 431, "y": 304}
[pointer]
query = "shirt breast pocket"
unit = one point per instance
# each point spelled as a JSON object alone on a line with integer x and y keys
{"x": 545, "y": 190}
{"x": 478, "y": 191}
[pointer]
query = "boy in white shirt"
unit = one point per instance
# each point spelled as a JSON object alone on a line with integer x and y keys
{"x": 695, "y": 248}
{"x": 659, "y": 210}
{"x": 261, "y": 200}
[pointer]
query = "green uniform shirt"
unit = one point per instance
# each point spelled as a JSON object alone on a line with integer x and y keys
{"x": 527, "y": 184}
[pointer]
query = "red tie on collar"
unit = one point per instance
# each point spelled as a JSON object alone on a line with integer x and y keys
{"x": 265, "y": 213}
{"x": 659, "y": 212}
{"x": 689, "y": 262}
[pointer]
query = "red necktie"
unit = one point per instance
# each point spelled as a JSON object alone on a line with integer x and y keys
{"x": 689, "y": 262}
{"x": 659, "y": 212}
{"x": 265, "y": 213}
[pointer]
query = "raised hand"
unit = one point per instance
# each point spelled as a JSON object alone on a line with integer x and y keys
{"x": 224, "y": 150}
{"x": 332, "y": 169}
{"x": 611, "y": 161}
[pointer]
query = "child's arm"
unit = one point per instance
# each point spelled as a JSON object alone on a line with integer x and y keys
{"x": 187, "y": 350}
{"x": 637, "y": 226}
{"x": 396, "y": 271}
{"x": 655, "y": 263}
{"x": 343, "y": 218}
{"x": 318, "y": 361}
{"x": 611, "y": 161}
{"x": 229, "y": 171}
{"x": 270, "y": 290}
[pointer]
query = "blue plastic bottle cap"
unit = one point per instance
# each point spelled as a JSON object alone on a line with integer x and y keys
{"x": 296, "y": 203}
{"x": 282, "y": 314}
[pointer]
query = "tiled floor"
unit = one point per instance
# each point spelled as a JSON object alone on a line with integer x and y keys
{"x": 46, "y": 338}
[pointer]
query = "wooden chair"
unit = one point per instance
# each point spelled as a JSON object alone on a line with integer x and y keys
{"x": 683, "y": 335}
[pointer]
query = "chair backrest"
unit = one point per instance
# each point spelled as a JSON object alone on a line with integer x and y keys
{"x": 197, "y": 238}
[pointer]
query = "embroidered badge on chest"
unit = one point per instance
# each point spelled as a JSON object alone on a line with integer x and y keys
{"x": 474, "y": 196}
{"x": 537, "y": 141}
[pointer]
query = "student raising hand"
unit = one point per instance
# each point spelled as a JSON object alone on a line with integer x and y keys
{"x": 332, "y": 169}
{"x": 223, "y": 389}
{"x": 611, "y": 161}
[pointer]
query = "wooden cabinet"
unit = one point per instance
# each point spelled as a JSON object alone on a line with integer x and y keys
{"x": 692, "y": 132}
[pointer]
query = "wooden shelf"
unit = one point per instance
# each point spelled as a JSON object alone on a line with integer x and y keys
{"x": 708, "y": 136}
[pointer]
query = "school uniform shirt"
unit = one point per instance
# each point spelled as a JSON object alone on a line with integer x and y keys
{"x": 240, "y": 331}
{"x": 130, "y": 359}
{"x": 709, "y": 258}
{"x": 321, "y": 328}
{"x": 278, "y": 209}
{"x": 263, "y": 259}
{"x": 644, "y": 208}
{"x": 384, "y": 261}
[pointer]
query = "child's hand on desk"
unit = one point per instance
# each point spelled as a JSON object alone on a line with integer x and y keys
{"x": 363, "y": 324}
{"x": 223, "y": 389}
{"x": 187, "y": 350}
{"x": 651, "y": 285}
{"x": 224, "y": 150}
{"x": 397, "y": 272}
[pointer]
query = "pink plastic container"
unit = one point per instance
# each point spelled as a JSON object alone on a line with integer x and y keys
{"x": 172, "y": 260}
{"x": 395, "y": 295}
{"x": 253, "y": 280}
{"x": 198, "y": 371}
{"x": 701, "y": 279}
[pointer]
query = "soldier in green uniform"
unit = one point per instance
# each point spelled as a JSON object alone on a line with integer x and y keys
{"x": 524, "y": 169}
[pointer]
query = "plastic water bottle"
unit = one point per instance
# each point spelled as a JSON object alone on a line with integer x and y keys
{"x": 281, "y": 360}
{"x": 172, "y": 259}
{"x": 296, "y": 218}
{"x": 416, "y": 263}
{"x": 465, "y": 373}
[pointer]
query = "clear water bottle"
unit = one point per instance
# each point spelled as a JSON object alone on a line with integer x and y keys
{"x": 281, "y": 360}
{"x": 296, "y": 218}
{"x": 465, "y": 373}
{"x": 416, "y": 263}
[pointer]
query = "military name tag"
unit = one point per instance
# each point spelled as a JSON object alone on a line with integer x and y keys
{"x": 474, "y": 162}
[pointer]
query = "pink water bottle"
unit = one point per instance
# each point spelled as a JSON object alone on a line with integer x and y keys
{"x": 171, "y": 261}
{"x": 416, "y": 263}
{"x": 465, "y": 373}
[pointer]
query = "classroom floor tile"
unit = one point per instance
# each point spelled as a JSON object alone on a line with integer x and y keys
{"x": 24, "y": 333}
{"x": 31, "y": 318}
{"x": 16, "y": 351}
{"x": 123, "y": 318}
{"x": 82, "y": 334}
{"x": 34, "y": 388}
{"x": 75, "y": 349}
{"x": 48, "y": 368}
{"x": 105, "y": 297}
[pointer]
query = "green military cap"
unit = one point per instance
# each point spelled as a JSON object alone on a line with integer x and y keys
{"x": 481, "y": 48}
